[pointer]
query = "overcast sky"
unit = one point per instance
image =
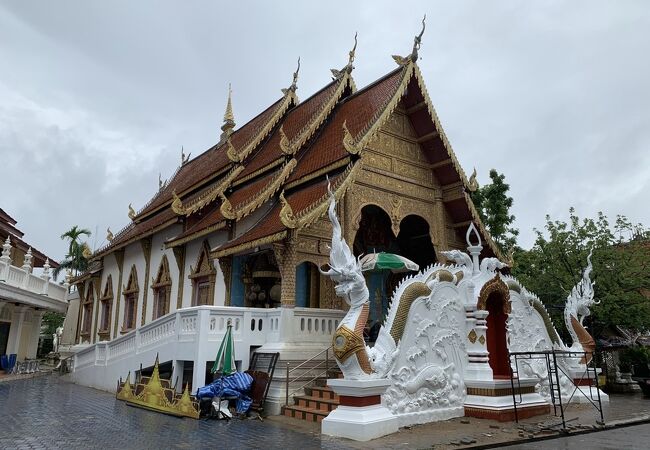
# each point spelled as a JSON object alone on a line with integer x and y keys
{"x": 97, "y": 98}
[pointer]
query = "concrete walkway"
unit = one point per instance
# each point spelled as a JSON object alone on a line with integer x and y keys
{"x": 47, "y": 412}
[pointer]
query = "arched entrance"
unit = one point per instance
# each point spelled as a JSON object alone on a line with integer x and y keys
{"x": 496, "y": 336}
{"x": 495, "y": 298}
{"x": 375, "y": 234}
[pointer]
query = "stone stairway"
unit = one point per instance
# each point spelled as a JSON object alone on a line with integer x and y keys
{"x": 316, "y": 403}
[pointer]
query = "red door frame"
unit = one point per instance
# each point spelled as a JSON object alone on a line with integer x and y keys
{"x": 496, "y": 336}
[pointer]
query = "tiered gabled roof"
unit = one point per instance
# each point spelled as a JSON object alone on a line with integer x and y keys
{"x": 281, "y": 157}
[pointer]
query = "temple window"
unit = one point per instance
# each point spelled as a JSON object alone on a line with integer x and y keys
{"x": 105, "y": 307}
{"x": 261, "y": 280}
{"x": 203, "y": 277}
{"x": 130, "y": 301}
{"x": 162, "y": 287}
{"x": 308, "y": 285}
{"x": 87, "y": 322}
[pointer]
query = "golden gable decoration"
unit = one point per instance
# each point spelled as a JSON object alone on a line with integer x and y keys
{"x": 156, "y": 394}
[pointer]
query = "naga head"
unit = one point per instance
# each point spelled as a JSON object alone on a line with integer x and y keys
{"x": 344, "y": 268}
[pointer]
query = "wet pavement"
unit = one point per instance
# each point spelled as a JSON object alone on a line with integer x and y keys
{"x": 629, "y": 438}
{"x": 49, "y": 413}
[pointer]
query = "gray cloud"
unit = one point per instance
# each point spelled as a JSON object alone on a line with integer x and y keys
{"x": 96, "y": 98}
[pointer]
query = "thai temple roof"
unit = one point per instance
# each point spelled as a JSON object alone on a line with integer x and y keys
{"x": 281, "y": 158}
{"x": 8, "y": 229}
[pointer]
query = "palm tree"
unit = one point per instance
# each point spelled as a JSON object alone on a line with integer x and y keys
{"x": 75, "y": 259}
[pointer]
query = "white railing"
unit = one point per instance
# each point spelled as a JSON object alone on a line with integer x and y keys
{"x": 27, "y": 281}
{"x": 250, "y": 327}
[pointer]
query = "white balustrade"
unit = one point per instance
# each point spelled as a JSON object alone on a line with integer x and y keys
{"x": 41, "y": 285}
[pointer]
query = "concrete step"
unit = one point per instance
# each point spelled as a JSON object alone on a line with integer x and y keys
{"x": 319, "y": 403}
{"x": 303, "y": 413}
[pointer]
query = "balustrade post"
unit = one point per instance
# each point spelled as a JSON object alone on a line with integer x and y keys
{"x": 46, "y": 277}
{"x": 5, "y": 259}
{"x": 137, "y": 341}
{"x": 27, "y": 267}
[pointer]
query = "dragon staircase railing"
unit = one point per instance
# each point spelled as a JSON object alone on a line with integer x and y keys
{"x": 312, "y": 369}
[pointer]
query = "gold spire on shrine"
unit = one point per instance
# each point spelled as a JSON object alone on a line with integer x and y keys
{"x": 294, "y": 83}
{"x": 228, "y": 118}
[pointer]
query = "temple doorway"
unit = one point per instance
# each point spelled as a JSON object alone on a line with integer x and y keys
{"x": 496, "y": 336}
{"x": 308, "y": 285}
{"x": 375, "y": 234}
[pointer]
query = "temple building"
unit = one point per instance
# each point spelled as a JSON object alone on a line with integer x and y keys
{"x": 24, "y": 296}
{"x": 238, "y": 232}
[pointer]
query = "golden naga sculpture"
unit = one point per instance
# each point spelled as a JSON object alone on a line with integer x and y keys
{"x": 157, "y": 394}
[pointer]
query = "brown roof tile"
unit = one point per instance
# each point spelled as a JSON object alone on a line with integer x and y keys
{"x": 292, "y": 125}
{"x": 358, "y": 111}
{"x": 211, "y": 161}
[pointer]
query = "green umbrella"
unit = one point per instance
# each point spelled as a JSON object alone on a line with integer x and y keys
{"x": 225, "y": 361}
{"x": 387, "y": 261}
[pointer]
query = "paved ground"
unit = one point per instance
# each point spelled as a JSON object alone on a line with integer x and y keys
{"x": 47, "y": 412}
{"x": 628, "y": 438}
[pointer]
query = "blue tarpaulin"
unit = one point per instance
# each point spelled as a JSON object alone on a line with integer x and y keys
{"x": 236, "y": 386}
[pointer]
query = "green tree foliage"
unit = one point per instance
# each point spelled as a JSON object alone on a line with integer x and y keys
{"x": 51, "y": 321}
{"x": 621, "y": 262}
{"x": 75, "y": 259}
{"x": 493, "y": 205}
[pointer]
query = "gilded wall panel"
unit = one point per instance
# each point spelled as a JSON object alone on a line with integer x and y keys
{"x": 374, "y": 159}
{"x": 421, "y": 174}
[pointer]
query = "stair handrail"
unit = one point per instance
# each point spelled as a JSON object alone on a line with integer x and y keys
{"x": 318, "y": 375}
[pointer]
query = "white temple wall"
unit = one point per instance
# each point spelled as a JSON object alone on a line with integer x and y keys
{"x": 111, "y": 268}
{"x": 133, "y": 254}
{"x": 158, "y": 250}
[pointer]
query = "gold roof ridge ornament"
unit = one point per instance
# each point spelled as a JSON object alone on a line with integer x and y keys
{"x": 294, "y": 84}
{"x": 153, "y": 395}
{"x": 177, "y": 204}
{"x": 233, "y": 156}
{"x": 109, "y": 234}
{"x": 287, "y": 216}
{"x": 285, "y": 145}
{"x": 473, "y": 183}
{"x": 348, "y": 68}
{"x": 132, "y": 213}
{"x": 228, "y": 118}
{"x": 184, "y": 159}
{"x": 417, "y": 42}
{"x": 226, "y": 208}
{"x": 349, "y": 141}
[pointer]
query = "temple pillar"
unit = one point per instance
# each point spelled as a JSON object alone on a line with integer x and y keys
{"x": 285, "y": 256}
{"x": 32, "y": 348}
{"x": 16, "y": 329}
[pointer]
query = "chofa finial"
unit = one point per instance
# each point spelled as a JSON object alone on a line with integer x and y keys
{"x": 473, "y": 182}
{"x": 338, "y": 74}
{"x": 417, "y": 42}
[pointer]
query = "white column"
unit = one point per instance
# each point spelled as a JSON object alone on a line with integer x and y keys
{"x": 32, "y": 349}
{"x": 15, "y": 330}
{"x": 202, "y": 346}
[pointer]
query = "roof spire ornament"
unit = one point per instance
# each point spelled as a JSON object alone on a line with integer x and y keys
{"x": 473, "y": 183}
{"x": 417, "y": 41}
{"x": 294, "y": 83}
{"x": 132, "y": 213}
{"x": 109, "y": 234}
{"x": 184, "y": 159}
{"x": 228, "y": 118}
{"x": 338, "y": 74}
